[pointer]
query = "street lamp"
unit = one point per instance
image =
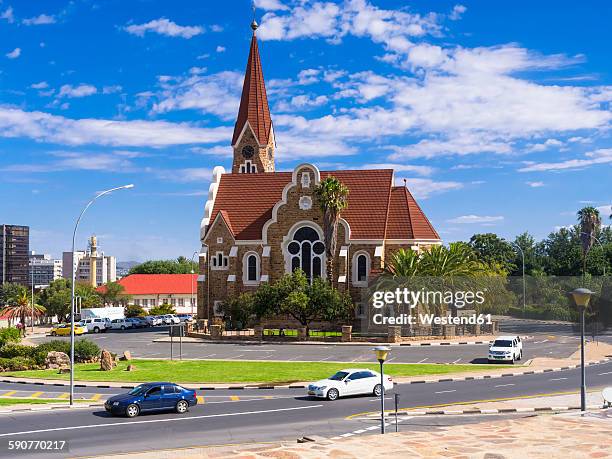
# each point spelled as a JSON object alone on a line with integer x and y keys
{"x": 600, "y": 246}
{"x": 192, "y": 272}
{"x": 524, "y": 287}
{"x": 76, "y": 226}
{"x": 581, "y": 298}
{"x": 381, "y": 355}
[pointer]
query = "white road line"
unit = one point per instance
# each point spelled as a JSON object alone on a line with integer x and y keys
{"x": 421, "y": 361}
{"x": 456, "y": 360}
{"x": 505, "y": 385}
{"x": 236, "y": 356}
{"x": 326, "y": 358}
{"x": 540, "y": 342}
{"x": 350, "y": 434}
{"x": 557, "y": 379}
{"x": 446, "y": 391}
{"x": 606, "y": 373}
{"x": 112, "y": 424}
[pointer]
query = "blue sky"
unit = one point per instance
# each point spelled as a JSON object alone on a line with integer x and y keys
{"x": 497, "y": 114}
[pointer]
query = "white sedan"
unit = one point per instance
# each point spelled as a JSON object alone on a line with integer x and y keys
{"x": 353, "y": 381}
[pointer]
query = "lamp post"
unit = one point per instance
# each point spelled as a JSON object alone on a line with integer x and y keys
{"x": 581, "y": 298}
{"x": 381, "y": 355}
{"x": 600, "y": 246}
{"x": 524, "y": 286}
{"x": 32, "y": 274}
{"x": 76, "y": 226}
{"x": 192, "y": 272}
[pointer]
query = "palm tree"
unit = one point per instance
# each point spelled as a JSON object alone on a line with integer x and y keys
{"x": 590, "y": 222}
{"x": 333, "y": 199}
{"x": 402, "y": 263}
{"x": 20, "y": 307}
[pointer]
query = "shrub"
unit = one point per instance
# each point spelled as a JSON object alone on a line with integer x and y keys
{"x": 85, "y": 350}
{"x": 43, "y": 349}
{"x": 133, "y": 310}
{"x": 161, "y": 310}
{"x": 9, "y": 335}
{"x": 17, "y": 350}
{"x": 17, "y": 364}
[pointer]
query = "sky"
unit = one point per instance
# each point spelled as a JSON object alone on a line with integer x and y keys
{"x": 497, "y": 114}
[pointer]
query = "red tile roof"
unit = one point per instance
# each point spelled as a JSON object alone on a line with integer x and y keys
{"x": 254, "y": 100}
{"x": 158, "y": 284}
{"x": 373, "y": 204}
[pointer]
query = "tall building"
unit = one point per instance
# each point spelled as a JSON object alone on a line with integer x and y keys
{"x": 14, "y": 248}
{"x": 260, "y": 224}
{"x": 92, "y": 266}
{"x": 43, "y": 269}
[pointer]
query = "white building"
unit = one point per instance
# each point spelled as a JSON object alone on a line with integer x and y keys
{"x": 88, "y": 261}
{"x": 43, "y": 269}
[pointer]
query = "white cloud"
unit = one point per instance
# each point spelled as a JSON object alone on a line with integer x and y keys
{"x": 111, "y": 89}
{"x": 40, "y": 20}
{"x": 40, "y": 85}
{"x": 72, "y": 160}
{"x": 421, "y": 170}
{"x": 472, "y": 219}
{"x": 220, "y": 49}
{"x": 82, "y": 90}
{"x": 457, "y": 12}
{"x": 605, "y": 211}
{"x": 193, "y": 174}
{"x": 423, "y": 188}
{"x": 535, "y": 184}
{"x": 600, "y": 156}
{"x": 165, "y": 27}
{"x": 14, "y": 54}
{"x": 44, "y": 127}
{"x": 270, "y": 5}
{"x": 463, "y": 144}
{"x": 8, "y": 15}
{"x": 549, "y": 143}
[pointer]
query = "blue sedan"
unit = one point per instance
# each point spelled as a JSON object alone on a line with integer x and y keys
{"x": 152, "y": 397}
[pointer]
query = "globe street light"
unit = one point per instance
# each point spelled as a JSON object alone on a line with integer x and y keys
{"x": 191, "y": 281}
{"x": 76, "y": 226}
{"x": 581, "y": 298}
{"x": 381, "y": 355}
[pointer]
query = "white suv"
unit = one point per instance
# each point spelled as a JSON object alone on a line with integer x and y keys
{"x": 171, "y": 319}
{"x": 95, "y": 325}
{"x": 120, "y": 324}
{"x": 506, "y": 349}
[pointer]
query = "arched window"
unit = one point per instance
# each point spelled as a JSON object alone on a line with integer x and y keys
{"x": 251, "y": 268}
{"x": 306, "y": 252}
{"x": 361, "y": 268}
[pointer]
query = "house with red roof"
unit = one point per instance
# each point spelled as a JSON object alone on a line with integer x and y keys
{"x": 149, "y": 290}
{"x": 260, "y": 224}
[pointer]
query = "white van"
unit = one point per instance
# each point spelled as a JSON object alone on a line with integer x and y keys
{"x": 506, "y": 349}
{"x": 96, "y": 324}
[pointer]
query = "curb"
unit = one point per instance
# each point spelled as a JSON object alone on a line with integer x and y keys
{"x": 51, "y": 407}
{"x": 327, "y": 343}
{"x": 264, "y": 386}
{"x": 409, "y": 413}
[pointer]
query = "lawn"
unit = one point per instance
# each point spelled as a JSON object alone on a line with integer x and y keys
{"x": 21, "y": 401}
{"x": 232, "y": 371}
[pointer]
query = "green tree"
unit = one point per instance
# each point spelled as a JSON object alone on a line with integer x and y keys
{"x": 238, "y": 310}
{"x": 589, "y": 223}
{"x": 533, "y": 260}
{"x": 9, "y": 292}
{"x": 134, "y": 310}
{"x": 179, "y": 266}
{"x": 161, "y": 310}
{"x": 56, "y": 298}
{"x": 21, "y": 307}
{"x": 333, "y": 199}
{"x": 89, "y": 297}
{"x": 112, "y": 294}
{"x": 494, "y": 251}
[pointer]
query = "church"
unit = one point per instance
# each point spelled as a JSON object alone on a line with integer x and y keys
{"x": 260, "y": 224}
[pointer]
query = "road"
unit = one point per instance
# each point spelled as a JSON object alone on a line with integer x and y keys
{"x": 262, "y": 415}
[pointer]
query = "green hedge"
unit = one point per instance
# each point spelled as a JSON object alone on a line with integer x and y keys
{"x": 553, "y": 312}
{"x": 15, "y": 357}
{"x": 17, "y": 364}
{"x": 17, "y": 350}
{"x": 9, "y": 335}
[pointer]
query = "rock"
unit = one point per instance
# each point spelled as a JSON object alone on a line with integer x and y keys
{"x": 64, "y": 370}
{"x": 130, "y": 368}
{"x": 127, "y": 355}
{"x": 56, "y": 359}
{"x": 107, "y": 361}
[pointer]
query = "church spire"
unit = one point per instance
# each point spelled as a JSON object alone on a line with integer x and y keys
{"x": 253, "y": 138}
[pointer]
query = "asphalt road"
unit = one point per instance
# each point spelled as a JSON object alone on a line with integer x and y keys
{"x": 286, "y": 416}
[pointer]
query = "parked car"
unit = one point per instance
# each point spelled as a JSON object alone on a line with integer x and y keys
{"x": 152, "y": 397}
{"x": 171, "y": 319}
{"x": 64, "y": 329}
{"x": 352, "y": 381}
{"x": 95, "y": 325}
{"x": 506, "y": 349}
{"x": 120, "y": 324}
{"x": 185, "y": 317}
{"x": 152, "y": 321}
{"x": 137, "y": 322}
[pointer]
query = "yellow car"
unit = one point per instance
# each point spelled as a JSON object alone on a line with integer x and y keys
{"x": 64, "y": 330}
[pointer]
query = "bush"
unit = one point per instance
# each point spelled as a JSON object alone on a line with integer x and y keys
{"x": 9, "y": 335}
{"x": 161, "y": 310}
{"x": 17, "y": 364}
{"x": 133, "y": 310}
{"x": 43, "y": 349}
{"x": 85, "y": 350}
{"x": 17, "y": 350}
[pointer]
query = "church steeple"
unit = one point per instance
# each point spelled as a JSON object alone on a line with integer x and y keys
{"x": 253, "y": 138}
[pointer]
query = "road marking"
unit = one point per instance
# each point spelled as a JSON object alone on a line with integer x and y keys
{"x": 600, "y": 374}
{"x": 9, "y": 393}
{"x": 446, "y": 391}
{"x": 326, "y": 358}
{"x": 237, "y": 356}
{"x": 505, "y": 385}
{"x": 96, "y": 397}
{"x": 540, "y": 342}
{"x": 64, "y": 395}
{"x": 421, "y": 361}
{"x": 557, "y": 379}
{"x": 150, "y": 421}
{"x": 234, "y": 398}
{"x": 456, "y": 360}
{"x": 36, "y": 394}
{"x": 200, "y": 399}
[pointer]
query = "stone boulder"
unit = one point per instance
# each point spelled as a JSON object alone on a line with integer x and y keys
{"x": 107, "y": 361}
{"x": 56, "y": 360}
{"x": 130, "y": 368}
{"x": 127, "y": 355}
